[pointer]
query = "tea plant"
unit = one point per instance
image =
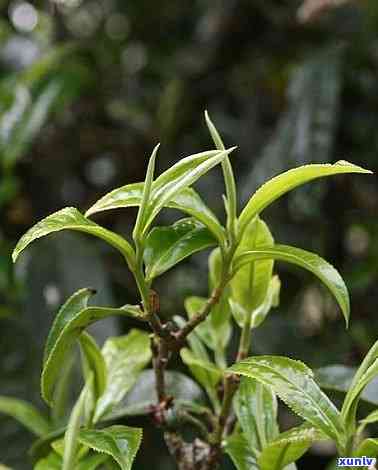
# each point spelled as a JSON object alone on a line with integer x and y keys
{"x": 239, "y": 417}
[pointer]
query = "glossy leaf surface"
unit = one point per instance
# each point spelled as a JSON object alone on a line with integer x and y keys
{"x": 307, "y": 260}
{"x": 250, "y": 284}
{"x": 67, "y": 328}
{"x": 181, "y": 176}
{"x": 125, "y": 357}
{"x": 285, "y": 182}
{"x": 293, "y": 382}
{"x": 167, "y": 246}
{"x": 187, "y": 201}
{"x": 71, "y": 219}
{"x": 119, "y": 442}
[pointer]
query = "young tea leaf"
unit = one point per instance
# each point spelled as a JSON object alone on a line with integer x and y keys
{"x": 26, "y": 414}
{"x": 167, "y": 246}
{"x": 187, "y": 201}
{"x": 73, "y": 427}
{"x": 146, "y": 194}
{"x": 71, "y": 219}
{"x": 243, "y": 457}
{"x": 293, "y": 382}
{"x": 125, "y": 358}
{"x": 93, "y": 363}
{"x": 288, "y": 447}
{"x": 180, "y": 176}
{"x": 119, "y": 442}
{"x": 256, "y": 408}
{"x": 65, "y": 331}
{"x": 307, "y": 260}
{"x": 285, "y": 182}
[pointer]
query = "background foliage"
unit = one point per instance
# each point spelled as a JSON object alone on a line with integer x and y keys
{"x": 87, "y": 88}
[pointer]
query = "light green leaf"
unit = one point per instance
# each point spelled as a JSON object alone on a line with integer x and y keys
{"x": 237, "y": 447}
{"x": 52, "y": 462}
{"x": 339, "y": 378}
{"x": 288, "y": 447}
{"x": 91, "y": 462}
{"x": 285, "y": 182}
{"x": 218, "y": 321}
{"x": 293, "y": 382}
{"x": 138, "y": 228}
{"x": 73, "y": 428}
{"x": 71, "y": 219}
{"x": 66, "y": 329}
{"x": 250, "y": 284}
{"x": 370, "y": 418}
{"x": 125, "y": 358}
{"x": 260, "y": 313}
{"x": 26, "y": 414}
{"x": 228, "y": 174}
{"x": 167, "y": 246}
{"x": 349, "y": 410}
{"x": 119, "y": 442}
{"x": 365, "y": 373}
{"x": 94, "y": 363}
{"x": 180, "y": 176}
{"x": 367, "y": 448}
{"x": 206, "y": 373}
{"x": 187, "y": 201}
{"x": 307, "y": 260}
{"x": 256, "y": 408}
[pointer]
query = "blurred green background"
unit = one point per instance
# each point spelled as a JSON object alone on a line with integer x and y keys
{"x": 88, "y": 87}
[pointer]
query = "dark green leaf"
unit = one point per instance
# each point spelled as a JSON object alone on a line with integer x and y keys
{"x": 309, "y": 261}
{"x": 125, "y": 357}
{"x": 71, "y": 219}
{"x": 293, "y": 382}
{"x": 119, "y": 442}
{"x": 26, "y": 414}
{"x": 167, "y": 246}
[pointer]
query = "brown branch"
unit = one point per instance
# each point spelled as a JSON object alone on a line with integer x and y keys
{"x": 201, "y": 316}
